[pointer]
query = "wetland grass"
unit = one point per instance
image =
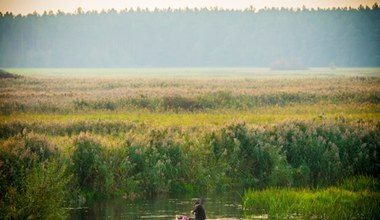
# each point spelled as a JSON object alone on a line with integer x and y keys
{"x": 136, "y": 135}
{"x": 356, "y": 198}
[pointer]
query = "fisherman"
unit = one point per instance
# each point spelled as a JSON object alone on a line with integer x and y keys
{"x": 199, "y": 211}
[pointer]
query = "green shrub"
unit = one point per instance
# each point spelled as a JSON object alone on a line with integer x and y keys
{"x": 42, "y": 197}
{"x": 18, "y": 155}
{"x": 237, "y": 156}
{"x": 89, "y": 166}
{"x": 157, "y": 164}
{"x": 32, "y": 182}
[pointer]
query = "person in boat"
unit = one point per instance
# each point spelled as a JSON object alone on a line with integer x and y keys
{"x": 198, "y": 211}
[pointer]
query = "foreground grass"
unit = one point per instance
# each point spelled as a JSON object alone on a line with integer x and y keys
{"x": 357, "y": 198}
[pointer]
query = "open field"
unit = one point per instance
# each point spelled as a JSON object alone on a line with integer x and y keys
{"x": 145, "y": 132}
{"x": 256, "y": 92}
{"x": 187, "y": 98}
{"x": 259, "y": 116}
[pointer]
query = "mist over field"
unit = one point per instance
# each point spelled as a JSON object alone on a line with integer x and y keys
{"x": 281, "y": 38}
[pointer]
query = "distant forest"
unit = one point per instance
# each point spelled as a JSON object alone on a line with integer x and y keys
{"x": 280, "y": 37}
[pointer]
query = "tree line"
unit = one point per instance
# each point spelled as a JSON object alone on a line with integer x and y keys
{"x": 207, "y": 37}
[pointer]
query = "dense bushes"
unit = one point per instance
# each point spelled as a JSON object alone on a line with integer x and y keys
{"x": 19, "y": 155}
{"x": 152, "y": 166}
{"x": 295, "y": 153}
{"x": 43, "y": 196}
{"x": 245, "y": 149}
{"x": 329, "y": 151}
{"x": 89, "y": 165}
{"x": 158, "y": 164}
{"x": 291, "y": 153}
{"x": 32, "y": 179}
{"x": 157, "y": 161}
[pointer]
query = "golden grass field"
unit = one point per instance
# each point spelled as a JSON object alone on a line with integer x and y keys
{"x": 54, "y": 94}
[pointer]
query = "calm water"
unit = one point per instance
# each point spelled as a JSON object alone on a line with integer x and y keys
{"x": 161, "y": 208}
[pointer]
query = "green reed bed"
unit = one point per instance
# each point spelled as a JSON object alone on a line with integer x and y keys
{"x": 327, "y": 203}
{"x": 151, "y": 161}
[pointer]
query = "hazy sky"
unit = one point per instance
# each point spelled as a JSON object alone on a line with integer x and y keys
{"x": 28, "y": 6}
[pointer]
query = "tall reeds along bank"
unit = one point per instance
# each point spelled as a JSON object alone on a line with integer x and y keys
{"x": 149, "y": 166}
{"x": 89, "y": 166}
{"x": 149, "y": 161}
{"x": 33, "y": 180}
{"x": 292, "y": 153}
{"x": 356, "y": 198}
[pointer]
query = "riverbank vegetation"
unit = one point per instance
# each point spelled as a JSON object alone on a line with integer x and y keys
{"x": 355, "y": 198}
{"x": 132, "y": 137}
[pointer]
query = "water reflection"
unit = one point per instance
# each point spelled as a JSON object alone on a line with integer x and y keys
{"x": 159, "y": 208}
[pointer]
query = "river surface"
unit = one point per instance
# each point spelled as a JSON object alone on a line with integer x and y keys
{"x": 159, "y": 208}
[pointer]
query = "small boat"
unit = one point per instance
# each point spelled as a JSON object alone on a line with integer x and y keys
{"x": 183, "y": 217}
